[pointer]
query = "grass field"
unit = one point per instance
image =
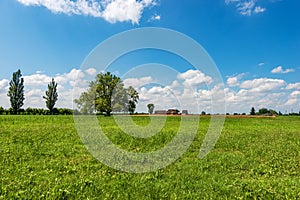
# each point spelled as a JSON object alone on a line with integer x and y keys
{"x": 255, "y": 158}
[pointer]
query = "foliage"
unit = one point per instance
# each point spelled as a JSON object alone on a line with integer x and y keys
{"x": 86, "y": 101}
{"x": 150, "y": 107}
{"x": 1, "y": 110}
{"x": 133, "y": 97}
{"x": 252, "y": 112}
{"x": 265, "y": 111}
{"x": 107, "y": 94}
{"x": 38, "y": 111}
{"x": 42, "y": 157}
{"x": 16, "y": 92}
{"x": 51, "y": 95}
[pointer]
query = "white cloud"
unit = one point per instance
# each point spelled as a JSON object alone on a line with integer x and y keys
{"x": 36, "y": 79}
{"x": 246, "y": 7}
{"x": 155, "y": 18}
{"x": 261, "y": 64}
{"x": 259, "y": 9}
{"x": 70, "y": 77}
{"x": 91, "y": 71}
{"x": 234, "y": 80}
{"x": 79, "y": 7}
{"x": 293, "y": 86}
{"x": 280, "y": 70}
{"x": 263, "y": 84}
{"x": 194, "y": 78}
{"x": 293, "y": 98}
{"x": 137, "y": 82}
{"x": 125, "y": 10}
{"x": 111, "y": 10}
{"x": 4, "y": 85}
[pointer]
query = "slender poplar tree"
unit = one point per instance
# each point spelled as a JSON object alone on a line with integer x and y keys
{"x": 16, "y": 92}
{"x": 51, "y": 95}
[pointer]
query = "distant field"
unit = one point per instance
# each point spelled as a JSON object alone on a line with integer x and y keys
{"x": 255, "y": 158}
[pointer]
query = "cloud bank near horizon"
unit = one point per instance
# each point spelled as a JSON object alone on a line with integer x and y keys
{"x": 187, "y": 91}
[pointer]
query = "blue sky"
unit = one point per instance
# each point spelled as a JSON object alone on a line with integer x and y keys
{"x": 254, "y": 43}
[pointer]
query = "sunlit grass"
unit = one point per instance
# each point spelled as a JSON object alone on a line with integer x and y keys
{"x": 43, "y": 157}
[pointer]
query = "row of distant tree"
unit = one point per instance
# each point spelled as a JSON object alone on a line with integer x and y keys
{"x": 265, "y": 111}
{"x": 16, "y": 94}
{"x": 37, "y": 111}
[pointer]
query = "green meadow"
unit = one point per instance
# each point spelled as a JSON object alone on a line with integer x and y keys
{"x": 42, "y": 157}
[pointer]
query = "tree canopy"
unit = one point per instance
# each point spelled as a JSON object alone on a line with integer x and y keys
{"x": 16, "y": 91}
{"x": 107, "y": 94}
{"x": 252, "y": 111}
{"x": 150, "y": 108}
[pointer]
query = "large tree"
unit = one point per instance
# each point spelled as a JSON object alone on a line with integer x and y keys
{"x": 51, "y": 95}
{"x": 150, "y": 108}
{"x": 107, "y": 94}
{"x": 16, "y": 92}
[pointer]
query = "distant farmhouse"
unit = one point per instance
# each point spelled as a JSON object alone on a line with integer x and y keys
{"x": 185, "y": 112}
{"x": 170, "y": 112}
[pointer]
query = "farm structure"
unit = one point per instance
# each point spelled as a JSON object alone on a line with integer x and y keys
{"x": 167, "y": 112}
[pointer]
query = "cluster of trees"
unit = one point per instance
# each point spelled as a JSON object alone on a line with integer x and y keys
{"x": 107, "y": 94}
{"x": 16, "y": 96}
{"x": 263, "y": 111}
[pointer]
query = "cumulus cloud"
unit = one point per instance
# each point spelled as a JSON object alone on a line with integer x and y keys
{"x": 36, "y": 79}
{"x": 234, "y": 80}
{"x": 280, "y": 70}
{"x": 4, "y": 84}
{"x": 293, "y": 98}
{"x": 246, "y": 7}
{"x": 111, "y": 10}
{"x": 259, "y": 9}
{"x": 263, "y": 84}
{"x": 137, "y": 82}
{"x": 125, "y": 10}
{"x": 91, "y": 71}
{"x": 194, "y": 78}
{"x": 293, "y": 86}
